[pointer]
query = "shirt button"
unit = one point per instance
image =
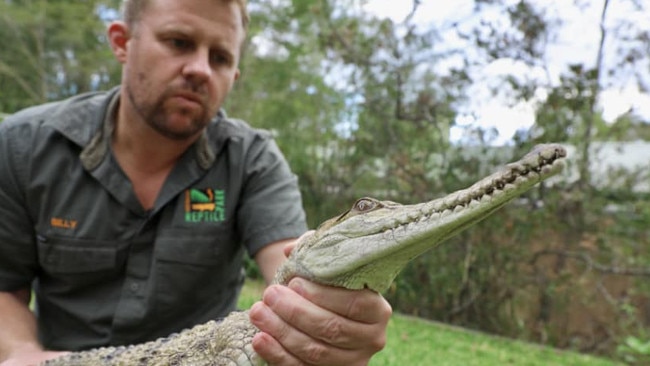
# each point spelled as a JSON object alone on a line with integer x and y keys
{"x": 134, "y": 287}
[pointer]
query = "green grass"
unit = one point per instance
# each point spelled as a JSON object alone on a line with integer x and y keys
{"x": 413, "y": 341}
{"x": 416, "y": 342}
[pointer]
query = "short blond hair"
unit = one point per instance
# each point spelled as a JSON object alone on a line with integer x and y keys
{"x": 132, "y": 10}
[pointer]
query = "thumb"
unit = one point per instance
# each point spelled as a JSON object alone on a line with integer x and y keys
{"x": 289, "y": 247}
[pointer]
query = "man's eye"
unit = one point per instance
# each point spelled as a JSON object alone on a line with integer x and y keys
{"x": 180, "y": 44}
{"x": 217, "y": 58}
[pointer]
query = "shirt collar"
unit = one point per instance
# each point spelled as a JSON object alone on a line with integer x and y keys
{"x": 96, "y": 149}
{"x": 99, "y": 145}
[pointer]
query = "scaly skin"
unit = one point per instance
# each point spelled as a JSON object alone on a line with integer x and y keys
{"x": 365, "y": 247}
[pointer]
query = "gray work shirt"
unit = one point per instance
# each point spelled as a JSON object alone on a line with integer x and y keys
{"x": 107, "y": 272}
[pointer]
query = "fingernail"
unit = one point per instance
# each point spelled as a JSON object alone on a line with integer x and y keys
{"x": 259, "y": 314}
{"x": 271, "y": 296}
{"x": 298, "y": 285}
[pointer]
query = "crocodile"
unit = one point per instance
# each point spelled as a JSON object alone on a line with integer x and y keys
{"x": 363, "y": 248}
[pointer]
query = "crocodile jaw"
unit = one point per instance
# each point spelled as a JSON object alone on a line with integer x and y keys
{"x": 369, "y": 245}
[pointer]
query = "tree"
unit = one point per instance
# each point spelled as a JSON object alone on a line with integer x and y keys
{"x": 52, "y": 49}
{"x": 570, "y": 112}
{"x": 349, "y": 111}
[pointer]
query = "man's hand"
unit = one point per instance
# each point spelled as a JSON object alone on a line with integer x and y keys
{"x": 18, "y": 340}
{"x": 30, "y": 356}
{"x": 310, "y": 324}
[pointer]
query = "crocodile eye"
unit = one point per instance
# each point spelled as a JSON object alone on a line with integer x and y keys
{"x": 365, "y": 204}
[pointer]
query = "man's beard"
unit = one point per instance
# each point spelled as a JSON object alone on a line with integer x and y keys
{"x": 156, "y": 116}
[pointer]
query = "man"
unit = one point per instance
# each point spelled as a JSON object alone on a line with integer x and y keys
{"x": 126, "y": 209}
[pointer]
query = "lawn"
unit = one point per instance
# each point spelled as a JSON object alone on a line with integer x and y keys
{"x": 415, "y": 342}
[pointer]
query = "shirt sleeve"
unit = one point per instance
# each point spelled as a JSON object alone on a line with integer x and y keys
{"x": 18, "y": 257}
{"x": 271, "y": 208}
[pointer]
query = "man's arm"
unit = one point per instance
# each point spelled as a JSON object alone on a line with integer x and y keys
{"x": 18, "y": 339}
{"x": 307, "y": 323}
{"x": 270, "y": 258}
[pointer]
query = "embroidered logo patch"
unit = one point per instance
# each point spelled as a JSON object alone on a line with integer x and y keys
{"x": 205, "y": 205}
{"x": 63, "y": 223}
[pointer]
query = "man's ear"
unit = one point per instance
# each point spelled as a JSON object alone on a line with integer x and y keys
{"x": 118, "y": 37}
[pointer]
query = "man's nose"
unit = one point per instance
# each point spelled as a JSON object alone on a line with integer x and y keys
{"x": 198, "y": 66}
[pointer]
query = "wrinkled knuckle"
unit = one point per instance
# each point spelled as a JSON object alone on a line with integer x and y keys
{"x": 380, "y": 308}
{"x": 356, "y": 308}
{"x": 292, "y": 314}
{"x": 386, "y": 311}
{"x": 378, "y": 343}
{"x": 315, "y": 354}
{"x": 332, "y": 330}
{"x": 282, "y": 331}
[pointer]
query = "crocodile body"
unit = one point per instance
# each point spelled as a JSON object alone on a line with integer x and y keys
{"x": 365, "y": 247}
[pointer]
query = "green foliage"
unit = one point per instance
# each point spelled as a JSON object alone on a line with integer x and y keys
{"x": 625, "y": 128}
{"x": 52, "y": 49}
{"x": 251, "y": 269}
{"x": 635, "y": 351}
{"x": 283, "y": 89}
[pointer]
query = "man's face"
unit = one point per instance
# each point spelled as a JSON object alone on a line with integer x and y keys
{"x": 181, "y": 62}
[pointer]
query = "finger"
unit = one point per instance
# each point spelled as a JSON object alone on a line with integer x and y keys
{"x": 364, "y": 306}
{"x": 288, "y": 248}
{"x": 281, "y": 344}
{"x": 316, "y": 322}
{"x": 272, "y": 351}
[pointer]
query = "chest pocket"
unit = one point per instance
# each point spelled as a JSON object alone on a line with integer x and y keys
{"x": 74, "y": 256}
{"x": 196, "y": 268}
{"x": 73, "y": 266}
